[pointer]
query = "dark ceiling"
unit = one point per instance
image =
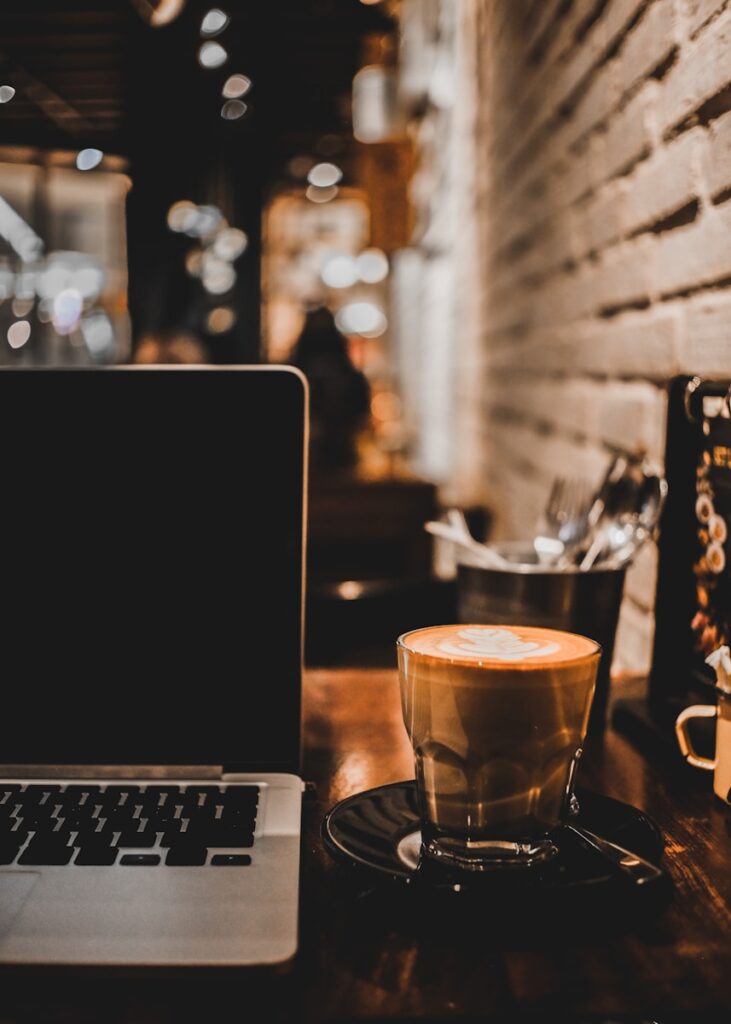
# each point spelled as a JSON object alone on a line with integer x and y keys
{"x": 93, "y": 73}
{"x": 79, "y": 67}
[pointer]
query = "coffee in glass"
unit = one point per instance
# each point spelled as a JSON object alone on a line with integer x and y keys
{"x": 497, "y": 716}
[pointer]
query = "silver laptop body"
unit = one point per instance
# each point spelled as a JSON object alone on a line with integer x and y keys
{"x": 121, "y": 686}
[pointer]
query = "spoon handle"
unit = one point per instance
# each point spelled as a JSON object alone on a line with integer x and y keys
{"x": 635, "y": 868}
{"x": 593, "y": 553}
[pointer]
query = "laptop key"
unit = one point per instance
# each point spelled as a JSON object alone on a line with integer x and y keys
{"x": 7, "y": 791}
{"x": 8, "y": 850}
{"x": 41, "y": 851}
{"x": 186, "y": 855}
{"x": 140, "y": 859}
{"x": 166, "y": 791}
{"x": 78, "y": 793}
{"x": 231, "y": 859}
{"x": 224, "y": 836}
{"x": 96, "y": 855}
{"x": 202, "y": 790}
{"x": 88, "y": 837}
{"x": 39, "y": 819}
{"x": 136, "y": 840}
{"x": 171, "y": 834}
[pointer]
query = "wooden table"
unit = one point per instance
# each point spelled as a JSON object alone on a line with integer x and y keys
{"x": 676, "y": 967}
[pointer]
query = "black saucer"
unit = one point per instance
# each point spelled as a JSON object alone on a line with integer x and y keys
{"x": 376, "y": 835}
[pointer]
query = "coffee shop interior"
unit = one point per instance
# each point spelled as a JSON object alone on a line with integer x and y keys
{"x": 495, "y": 237}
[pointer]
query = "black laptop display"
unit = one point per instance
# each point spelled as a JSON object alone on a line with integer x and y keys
{"x": 150, "y": 567}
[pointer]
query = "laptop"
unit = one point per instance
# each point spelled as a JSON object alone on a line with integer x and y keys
{"x": 150, "y": 658}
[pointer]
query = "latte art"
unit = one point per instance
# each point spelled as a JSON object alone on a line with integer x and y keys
{"x": 520, "y": 648}
{"x": 496, "y": 644}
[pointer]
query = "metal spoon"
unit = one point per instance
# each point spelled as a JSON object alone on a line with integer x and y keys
{"x": 624, "y": 514}
{"x": 487, "y": 556}
{"x": 630, "y": 865}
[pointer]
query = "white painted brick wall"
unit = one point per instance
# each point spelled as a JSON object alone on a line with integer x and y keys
{"x": 698, "y": 12}
{"x": 717, "y": 156}
{"x": 596, "y": 240}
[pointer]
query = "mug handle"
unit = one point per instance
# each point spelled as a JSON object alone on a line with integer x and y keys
{"x": 686, "y": 747}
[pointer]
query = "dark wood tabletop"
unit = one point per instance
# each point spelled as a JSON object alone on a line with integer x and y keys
{"x": 354, "y": 964}
{"x": 676, "y": 965}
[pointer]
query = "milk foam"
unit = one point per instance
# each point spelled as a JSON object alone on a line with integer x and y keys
{"x": 495, "y": 644}
{"x": 529, "y": 646}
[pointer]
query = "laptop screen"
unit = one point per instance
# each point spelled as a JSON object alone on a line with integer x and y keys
{"x": 151, "y": 566}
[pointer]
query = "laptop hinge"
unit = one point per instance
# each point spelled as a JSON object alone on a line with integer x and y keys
{"x": 96, "y": 771}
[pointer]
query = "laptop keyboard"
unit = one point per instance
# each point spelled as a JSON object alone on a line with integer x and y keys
{"x": 140, "y": 826}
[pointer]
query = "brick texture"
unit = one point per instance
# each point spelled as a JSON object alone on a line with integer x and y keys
{"x": 601, "y": 202}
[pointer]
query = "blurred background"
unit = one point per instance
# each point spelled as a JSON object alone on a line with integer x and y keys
{"x": 489, "y": 233}
{"x": 184, "y": 183}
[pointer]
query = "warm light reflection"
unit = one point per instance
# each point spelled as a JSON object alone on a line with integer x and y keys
{"x": 18, "y": 333}
{"x": 386, "y": 406}
{"x": 214, "y": 21}
{"x": 212, "y": 55}
{"x": 372, "y": 266}
{"x": 324, "y": 175}
{"x": 159, "y": 12}
{"x": 321, "y": 195}
{"x": 351, "y": 590}
{"x": 361, "y": 318}
{"x": 87, "y": 159}
{"x": 339, "y": 271}
{"x": 300, "y": 165}
{"x": 236, "y": 86}
{"x": 194, "y": 262}
{"x": 232, "y": 110}
{"x": 6, "y": 93}
{"x": 220, "y": 319}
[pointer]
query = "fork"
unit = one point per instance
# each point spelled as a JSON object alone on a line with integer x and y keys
{"x": 564, "y": 522}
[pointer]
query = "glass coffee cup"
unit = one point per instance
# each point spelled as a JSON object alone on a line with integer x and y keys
{"x": 497, "y": 717}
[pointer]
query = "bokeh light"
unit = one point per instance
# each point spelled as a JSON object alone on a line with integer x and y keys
{"x": 218, "y": 275}
{"x": 321, "y": 195}
{"x": 67, "y": 308}
{"x": 232, "y": 110}
{"x": 181, "y": 215}
{"x": 236, "y": 86}
{"x": 230, "y": 243}
{"x": 363, "y": 318}
{"x": 212, "y": 55}
{"x": 21, "y": 307}
{"x": 324, "y": 175}
{"x": 372, "y": 266}
{"x": 18, "y": 333}
{"x": 214, "y": 21}
{"x": 339, "y": 271}
{"x": 6, "y": 93}
{"x": 220, "y": 319}
{"x": 98, "y": 333}
{"x": 88, "y": 159}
